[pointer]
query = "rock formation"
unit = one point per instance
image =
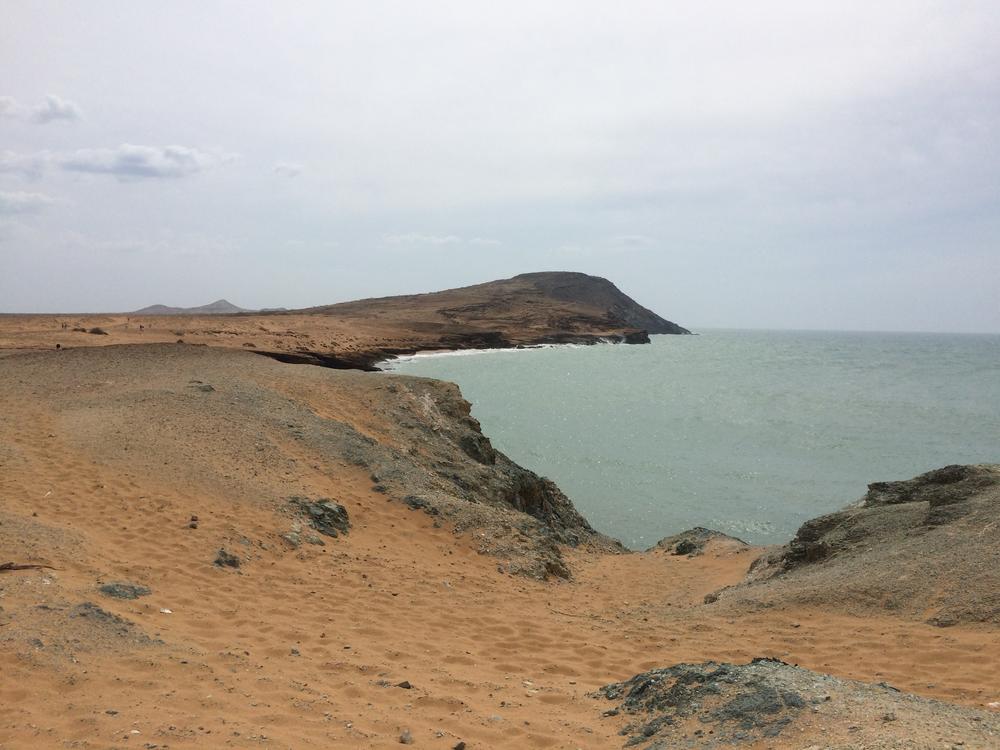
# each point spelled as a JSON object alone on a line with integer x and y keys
{"x": 924, "y": 547}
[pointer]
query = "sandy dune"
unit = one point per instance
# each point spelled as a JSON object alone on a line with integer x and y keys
{"x": 307, "y": 646}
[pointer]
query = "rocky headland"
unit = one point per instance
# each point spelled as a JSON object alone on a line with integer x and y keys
{"x": 555, "y": 307}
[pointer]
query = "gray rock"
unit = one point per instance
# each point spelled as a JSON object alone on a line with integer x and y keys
{"x": 226, "y": 560}
{"x": 722, "y": 705}
{"x": 124, "y": 590}
{"x": 324, "y": 515}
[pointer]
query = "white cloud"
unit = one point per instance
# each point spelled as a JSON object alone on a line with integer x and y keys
{"x": 9, "y": 107}
{"x": 414, "y": 238}
{"x": 287, "y": 169}
{"x": 29, "y": 166}
{"x": 129, "y": 161}
{"x": 53, "y": 108}
{"x": 56, "y": 108}
{"x": 23, "y": 203}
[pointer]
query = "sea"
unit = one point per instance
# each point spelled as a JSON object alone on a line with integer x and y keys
{"x": 745, "y": 431}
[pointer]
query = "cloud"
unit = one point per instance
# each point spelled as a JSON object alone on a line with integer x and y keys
{"x": 414, "y": 238}
{"x": 23, "y": 203}
{"x": 56, "y": 108}
{"x": 287, "y": 169}
{"x": 29, "y": 166}
{"x": 631, "y": 240}
{"x": 53, "y": 108}
{"x": 129, "y": 161}
{"x": 9, "y": 107}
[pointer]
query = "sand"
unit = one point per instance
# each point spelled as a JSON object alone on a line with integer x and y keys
{"x": 306, "y": 647}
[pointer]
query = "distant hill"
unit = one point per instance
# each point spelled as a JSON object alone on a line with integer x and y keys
{"x": 219, "y": 307}
{"x": 553, "y": 302}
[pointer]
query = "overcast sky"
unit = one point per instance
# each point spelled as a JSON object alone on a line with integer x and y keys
{"x": 794, "y": 164}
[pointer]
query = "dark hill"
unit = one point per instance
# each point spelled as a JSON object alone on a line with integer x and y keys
{"x": 594, "y": 291}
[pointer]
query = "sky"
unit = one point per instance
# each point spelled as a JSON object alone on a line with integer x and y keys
{"x": 775, "y": 164}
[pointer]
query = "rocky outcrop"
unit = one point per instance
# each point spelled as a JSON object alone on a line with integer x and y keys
{"x": 927, "y": 546}
{"x": 449, "y": 469}
{"x": 711, "y": 705}
{"x": 693, "y": 541}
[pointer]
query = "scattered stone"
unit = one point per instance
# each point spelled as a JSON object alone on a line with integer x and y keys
{"x": 685, "y": 547}
{"x": 405, "y": 738}
{"x": 414, "y": 502}
{"x": 91, "y": 610}
{"x": 459, "y": 746}
{"x": 405, "y": 685}
{"x": 324, "y": 515}
{"x": 226, "y": 560}
{"x": 124, "y": 590}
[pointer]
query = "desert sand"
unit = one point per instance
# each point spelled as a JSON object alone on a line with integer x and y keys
{"x": 398, "y": 630}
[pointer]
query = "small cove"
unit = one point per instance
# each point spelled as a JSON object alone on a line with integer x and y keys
{"x": 748, "y": 432}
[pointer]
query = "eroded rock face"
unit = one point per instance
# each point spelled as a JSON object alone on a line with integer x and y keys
{"x": 712, "y": 705}
{"x": 450, "y": 470}
{"x": 927, "y": 546}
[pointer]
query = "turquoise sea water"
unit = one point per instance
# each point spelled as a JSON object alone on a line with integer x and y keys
{"x": 748, "y": 432}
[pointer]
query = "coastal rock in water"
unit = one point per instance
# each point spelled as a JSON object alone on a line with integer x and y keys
{"x": 927, "y": 544}
{"x": 711, "y": 705}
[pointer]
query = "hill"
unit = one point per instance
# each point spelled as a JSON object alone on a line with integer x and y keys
{"x": 556, "y": 302}
{"x": 531, "y": 309}
{"x": 219, "y": 307}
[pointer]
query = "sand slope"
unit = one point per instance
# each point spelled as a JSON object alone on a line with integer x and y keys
{"x": 103, "y": 462}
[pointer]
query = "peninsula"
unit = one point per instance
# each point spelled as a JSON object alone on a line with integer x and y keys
{"x": 533, "y": 308}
